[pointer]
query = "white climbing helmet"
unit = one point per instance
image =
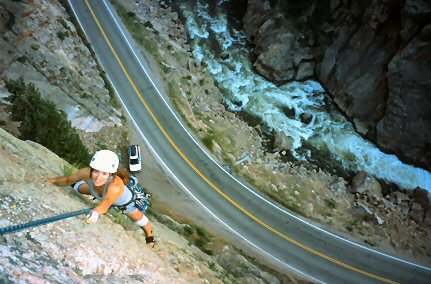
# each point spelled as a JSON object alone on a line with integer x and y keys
{"x": 105, "y": 161}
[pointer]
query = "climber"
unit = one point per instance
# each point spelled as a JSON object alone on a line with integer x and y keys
{"x": 104, "y": 180}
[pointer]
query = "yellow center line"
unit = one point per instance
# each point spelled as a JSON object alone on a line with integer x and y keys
{"x": 213, "y": 185}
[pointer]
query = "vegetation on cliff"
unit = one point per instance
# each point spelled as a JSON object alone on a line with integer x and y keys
{"x": 43, "y": 123}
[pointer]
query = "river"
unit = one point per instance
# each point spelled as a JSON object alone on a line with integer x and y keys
{"x": 312, "y": 121}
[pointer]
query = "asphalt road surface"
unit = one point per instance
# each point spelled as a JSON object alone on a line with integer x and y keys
{"x": 267, "y": 228}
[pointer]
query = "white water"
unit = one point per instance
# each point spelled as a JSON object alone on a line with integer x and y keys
{"x": 244, "y": 90}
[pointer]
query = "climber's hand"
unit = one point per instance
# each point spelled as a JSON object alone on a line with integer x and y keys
{"x": 92, "y": 217}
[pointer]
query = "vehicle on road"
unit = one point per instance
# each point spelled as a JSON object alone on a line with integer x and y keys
{"x": 135, "y": 158}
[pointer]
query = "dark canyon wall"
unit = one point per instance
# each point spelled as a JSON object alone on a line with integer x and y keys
{"x": 373, "y": 57}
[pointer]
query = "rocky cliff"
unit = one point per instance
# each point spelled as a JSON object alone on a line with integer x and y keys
{"x": 72, "y": 251}
{"x": 40, "y": 43}
{"x": 373, "y": 57}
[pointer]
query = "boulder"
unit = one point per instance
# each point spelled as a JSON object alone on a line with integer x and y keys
{"x": 305, "y": 70}
{"x": 399, "y": 197}
{"x": 416, "y": 213}
{"x": 403, "y": 208}
{"x": 275, "y": 61}
{"x": 240, "y": 267}
{"x": 364, "y": 212}
{"x": 421, "y": 196}
{"x": 364, "y": 183}
{"x": 282, "y": 142}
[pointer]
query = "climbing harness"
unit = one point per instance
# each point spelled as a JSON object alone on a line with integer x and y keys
{"x": 14, "y": 228}
{"x": 139, "y": 197}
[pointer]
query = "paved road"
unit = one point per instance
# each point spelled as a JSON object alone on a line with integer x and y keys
{"x": 270, "y": 230}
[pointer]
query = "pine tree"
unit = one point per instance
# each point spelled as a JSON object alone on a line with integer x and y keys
{"x": 43, "y": 123}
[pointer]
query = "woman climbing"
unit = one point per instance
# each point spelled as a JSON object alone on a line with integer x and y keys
{"x": 106, "y": 182}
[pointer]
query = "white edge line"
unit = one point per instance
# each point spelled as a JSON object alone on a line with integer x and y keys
{"x": 209, "y": 211}
{"x": 244, "y": 186}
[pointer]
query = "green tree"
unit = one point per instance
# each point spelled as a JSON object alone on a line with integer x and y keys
{"x": 43, "y": 123}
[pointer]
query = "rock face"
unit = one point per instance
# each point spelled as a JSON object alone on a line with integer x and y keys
{"x": 69, "y": 250}
{"x": 408, "y": 110}
{"x": 40, "y": 44}
{"x": 72, "y": 251}
{"x": 373, "y": 57}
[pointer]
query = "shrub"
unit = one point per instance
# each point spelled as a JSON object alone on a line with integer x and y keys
{"x": 68, "y": 170}
{"x": 22, "y": 59}
{"x": 330, "y": 203}
{"x": 208, "y": 141}
{"x": 43, "y": 123}
{"x": 102, "y": 146}
{"x": 85, "y": 95}
{"x": 62, "y": 35}
{"x": 148, "y": 24}
{"x": 64, "y": 24}
{"x": 188, "y": 230}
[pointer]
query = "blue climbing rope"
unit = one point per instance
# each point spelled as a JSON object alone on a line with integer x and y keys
{"x": 14, "y": 228}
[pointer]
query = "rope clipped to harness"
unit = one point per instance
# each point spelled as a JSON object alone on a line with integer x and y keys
{"x": 14, "y": 228}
